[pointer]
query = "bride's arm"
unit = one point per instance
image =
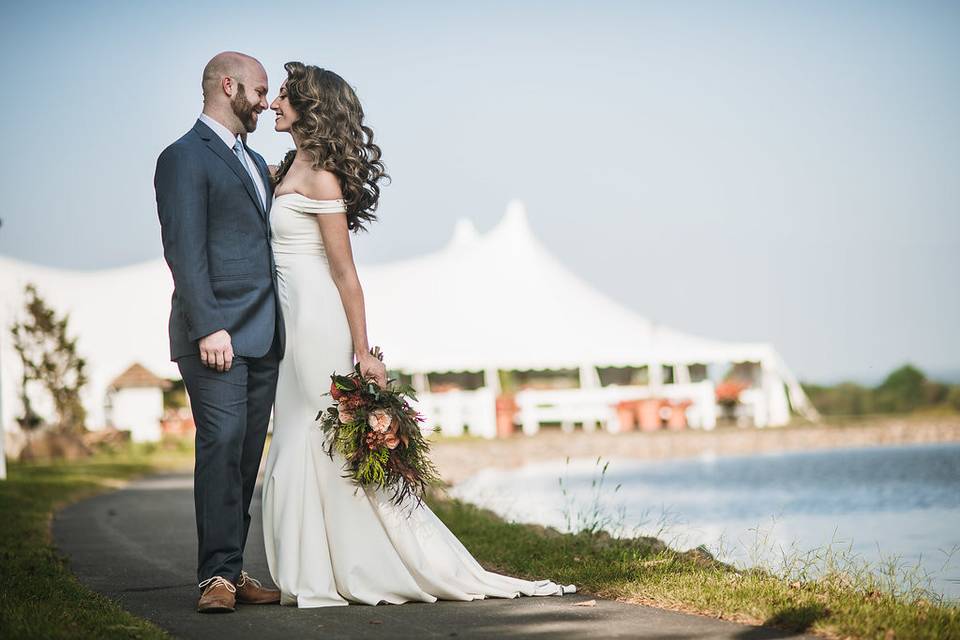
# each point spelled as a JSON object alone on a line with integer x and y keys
{"x": 343, "y": 270}
{"x": 336, "y": 242}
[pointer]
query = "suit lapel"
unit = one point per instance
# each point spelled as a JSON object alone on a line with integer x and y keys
{"x": 216, "y": 145}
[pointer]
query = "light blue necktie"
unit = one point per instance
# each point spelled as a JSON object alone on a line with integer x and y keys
{"x": 242, "y": 157}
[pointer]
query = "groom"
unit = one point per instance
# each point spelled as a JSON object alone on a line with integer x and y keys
{"x": 226, "y": 334}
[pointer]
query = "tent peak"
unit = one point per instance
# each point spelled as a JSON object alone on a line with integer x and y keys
{"x": 516, "y": 212}
{"x": 514, "y": 221}
{"x": 464, "y": 232}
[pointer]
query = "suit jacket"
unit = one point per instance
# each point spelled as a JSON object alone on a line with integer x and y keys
{"x": 216, "y": 241}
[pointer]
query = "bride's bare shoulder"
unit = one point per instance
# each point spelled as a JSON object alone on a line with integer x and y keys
{"x": 320, "y": 184}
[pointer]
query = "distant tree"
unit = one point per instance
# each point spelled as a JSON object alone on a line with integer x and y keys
{"x": 953, "y": 397}
{"x": 935, "y": 392}
{"x": 51, "y": 361}
{"x": 844, "y": 399}
{"x": 902, "y": 391}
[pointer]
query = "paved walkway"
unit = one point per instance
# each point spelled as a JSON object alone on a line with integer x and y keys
{"x": 138, "y": 547}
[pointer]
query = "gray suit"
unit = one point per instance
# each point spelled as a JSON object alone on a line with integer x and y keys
{"x": 216, "y": 241}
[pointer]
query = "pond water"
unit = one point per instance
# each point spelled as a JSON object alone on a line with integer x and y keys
{"x": 878, "y": 505}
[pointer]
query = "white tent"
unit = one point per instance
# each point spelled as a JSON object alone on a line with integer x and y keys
{"x": 501, "y": 300}
{"x": 119, "y": 317}
{"x": 497, "y": 301}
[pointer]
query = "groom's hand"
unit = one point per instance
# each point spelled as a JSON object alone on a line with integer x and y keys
{"x": 216, "y": 351}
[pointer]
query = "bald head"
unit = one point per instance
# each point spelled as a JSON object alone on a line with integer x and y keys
{"x": 230, "y": 64}
{"x": 234, "y": 91}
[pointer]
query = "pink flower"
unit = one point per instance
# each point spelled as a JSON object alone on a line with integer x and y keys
{"x": 346, "y": 415}
{"x": 379, "y": 420}
{"x": 391, "y": 441}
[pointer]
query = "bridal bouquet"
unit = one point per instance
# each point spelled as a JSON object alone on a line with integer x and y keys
{"x": 378, "y": 433}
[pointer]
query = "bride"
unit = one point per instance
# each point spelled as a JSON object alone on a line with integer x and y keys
{"x": 329, "y": 543}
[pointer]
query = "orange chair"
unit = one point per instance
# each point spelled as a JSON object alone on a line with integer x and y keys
{"x": 677, "y": 420}
{"x": 649, "y": 414}
{"x": 506, "y": 410}
{"x": 627, "y": 415}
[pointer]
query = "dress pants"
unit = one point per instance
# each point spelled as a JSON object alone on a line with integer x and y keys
{"x": 231, "y": 411}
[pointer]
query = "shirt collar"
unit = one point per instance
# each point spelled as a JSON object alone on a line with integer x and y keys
{"x": 222, "y": 132}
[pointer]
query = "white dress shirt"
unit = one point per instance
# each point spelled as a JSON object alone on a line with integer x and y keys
{"x": 229, "y": 139}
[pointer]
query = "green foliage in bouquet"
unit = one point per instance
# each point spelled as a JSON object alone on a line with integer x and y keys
{"x": 378, "y": 434}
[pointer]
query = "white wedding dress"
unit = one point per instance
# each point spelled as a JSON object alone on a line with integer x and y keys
{"x": 327, "y": 542}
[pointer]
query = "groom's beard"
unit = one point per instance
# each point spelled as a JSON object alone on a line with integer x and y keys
{"x": 244, "y": 109}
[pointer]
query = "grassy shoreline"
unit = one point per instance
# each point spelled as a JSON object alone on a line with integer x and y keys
{"x": 645, "y": 571}
{"x": 40, "y": 598}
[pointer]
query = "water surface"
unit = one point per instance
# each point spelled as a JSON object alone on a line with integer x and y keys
{"x": 879, "y": 504}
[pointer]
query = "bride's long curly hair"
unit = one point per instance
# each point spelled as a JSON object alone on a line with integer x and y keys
{"x": 331, "y": 131}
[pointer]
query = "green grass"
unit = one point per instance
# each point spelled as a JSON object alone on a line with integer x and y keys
{"x": 39, "y": 597}
{"x": 644, "y": 570}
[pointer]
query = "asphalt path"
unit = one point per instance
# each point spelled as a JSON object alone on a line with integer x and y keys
{"x": 138, "y": 546}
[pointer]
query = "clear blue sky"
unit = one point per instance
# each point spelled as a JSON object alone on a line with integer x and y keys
{"x": 773, "y": 171}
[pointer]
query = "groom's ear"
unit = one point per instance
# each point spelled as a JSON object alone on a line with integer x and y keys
{"x": 229, "y": 86}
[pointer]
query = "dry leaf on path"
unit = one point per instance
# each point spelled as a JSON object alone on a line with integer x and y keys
{"x": 586, "y": 603}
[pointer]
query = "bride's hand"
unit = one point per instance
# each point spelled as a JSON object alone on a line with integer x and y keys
{"x": 372, "y": 367}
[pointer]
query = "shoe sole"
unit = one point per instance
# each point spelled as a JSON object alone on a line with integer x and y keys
{"x": 256, "y": 602}
{"x": 216, "y": 610}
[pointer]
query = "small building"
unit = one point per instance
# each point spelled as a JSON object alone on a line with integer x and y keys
{"x": 134, "y": 403}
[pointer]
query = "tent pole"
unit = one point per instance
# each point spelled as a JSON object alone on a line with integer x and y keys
{"x": 655, "y": 376}
{"x": 420, "y": 382}
{"x": 491, "y": 380}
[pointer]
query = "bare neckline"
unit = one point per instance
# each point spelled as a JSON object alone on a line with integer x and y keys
{"x": 297, "y": 193}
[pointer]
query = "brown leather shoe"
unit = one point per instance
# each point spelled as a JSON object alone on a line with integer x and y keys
{"x": 218, "y": 596}
{"x": 250, "y": 591}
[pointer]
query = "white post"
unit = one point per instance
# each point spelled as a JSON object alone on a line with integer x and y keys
{"x": 708, "y": 405}
{"x": 419, "y": 382}
{"x": 655, "y": 377}
{"x": 528, "y": 415}
{"x": 451, "y": 419}
{"x": 761, "y": 413}
{"x": 485, "y": 410}
{"x": 3, "y": 428}
{"x": 491, "y": 380}
{"x": 589, "y": 378}
{"x": 778, "y": 410}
